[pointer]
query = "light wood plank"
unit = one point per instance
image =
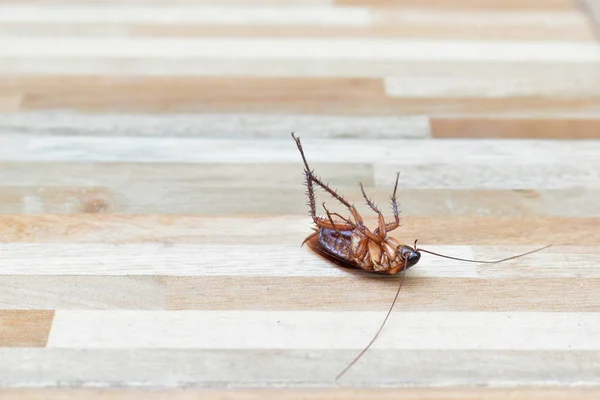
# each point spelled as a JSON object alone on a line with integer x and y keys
{"x": 173, "y": 14}
{"x": 117, "y": 176}
{"x": 481, "y": 175}
{"x": 76, "y": 292}
{"x": 210, "y": 368}
{"x": 295, "y": 68}
{"x": 477, "y": 83}
{"x": 401, "y": 23}
{"x": 288, "y": 230}
{"x": 591, "y": 10}
{"x": 125, "y": 329}
{"x": 321, "y": 49}
{"x": 517, "y": 5}
{"x": 166, "y": 259}
{"x": 561, "y": 393}
{"x": 24, "y": 328}
{"x": 223, "y": 199}
{"x": 29, "y": 148}
{"x": 215, "y": 125}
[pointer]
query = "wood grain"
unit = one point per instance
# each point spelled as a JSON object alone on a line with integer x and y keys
{"x": 530, "y": 128}
{"x": 189, "y": 368}
{"x": 221, "y": 125}
{"x": 318, "y": 330}
{"x": 267, "y": 200}
{"x": 288, "y": 230}
{"x": 385, "y": 153}
{"x": 81, "y": 292}
{"x": 420, "y": 294}
{"x": 467, "y": 4}
{"x": 355, "y": 394}
{"x": 152, "y": 203}
{"x": 411, "y": 24}
{"x": 25, "y": 328}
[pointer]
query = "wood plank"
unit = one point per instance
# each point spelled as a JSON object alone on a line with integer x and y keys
{"x": 187, "y": 95}
{"x": 321, "y": 49}
{"x": 320, "y": 96}
{"x": 212, "y": 175}
{"x": 287, "y": 230}
{"x": 479, "y": 83}
{"x": 280, "y": 3}
{"x": 214, "y": 368}
{"x": 275, "y": 49}
{"x": 72, "y": 67}
{"x": 172, "y": 13}
{"x": 340, "y": 22}
{"x": 296, "y": 330}
{"x": 471, "y": 175}
{"x": 516, "y": 5}
{"x": 513, "y": 128}
{"x": 418, "y": 294}
{"x": 24, "y": 328}
{"x": 76, "y": 292}
{"x": 224, "y": 199}
{"x": 215, "y": 125}
{"x": 592, "y": 11}
{"x": 37, "y": 148}
{"x": 167, "y": 259}
{"x": 10, "y": 103}
{"x": 66, "y": 292}
{"x": 574, "y": 28}
{"x": 561, "y": 393}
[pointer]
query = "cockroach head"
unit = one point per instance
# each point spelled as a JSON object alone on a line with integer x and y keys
{"x": 408, "y": 255}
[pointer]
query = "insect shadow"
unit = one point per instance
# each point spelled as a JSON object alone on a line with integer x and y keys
{"x": 349, "y": 243}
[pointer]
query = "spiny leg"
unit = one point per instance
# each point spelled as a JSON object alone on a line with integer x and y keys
{"x": 380, "y": 231}
{"x": 331, "y": 219}
{"x": 310, "y": 192}
{"x": 362, "y": 229}
{"x": 369, "y": 201}
{"x": 310, "y": 175}
{"x": 393, "y": 225}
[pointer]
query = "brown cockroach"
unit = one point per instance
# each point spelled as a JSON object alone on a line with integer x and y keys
{"x": 349, "y": 243}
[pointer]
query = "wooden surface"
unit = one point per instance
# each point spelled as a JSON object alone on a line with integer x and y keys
{"x": 152, "y": 207}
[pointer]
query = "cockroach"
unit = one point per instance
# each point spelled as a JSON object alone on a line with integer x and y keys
{"x": 349, "y": 243}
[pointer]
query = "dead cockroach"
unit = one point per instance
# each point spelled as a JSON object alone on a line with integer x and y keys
{"x": 349, "y": 243}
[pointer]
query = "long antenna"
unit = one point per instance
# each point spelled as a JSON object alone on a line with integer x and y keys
{"x": 380, "y": 328}
{"x": 483, "y": 262}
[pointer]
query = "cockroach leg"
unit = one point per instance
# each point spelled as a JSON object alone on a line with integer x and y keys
{"x": 310, "y": 175}
{"x": 393, "y": 225}
{"x": 380, "y": 231}
{"x": 310, "y": 191}
{"x": 329, "y": 214}
{"x": 369, "y": 201}
{"x": 333, "y": 224}
{"x": 361, "y": 228}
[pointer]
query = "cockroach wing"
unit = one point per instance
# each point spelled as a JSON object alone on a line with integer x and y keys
{"x": 315, "y": 245}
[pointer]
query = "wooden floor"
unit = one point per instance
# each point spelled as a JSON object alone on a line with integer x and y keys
{"x": 152, "y": 203}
